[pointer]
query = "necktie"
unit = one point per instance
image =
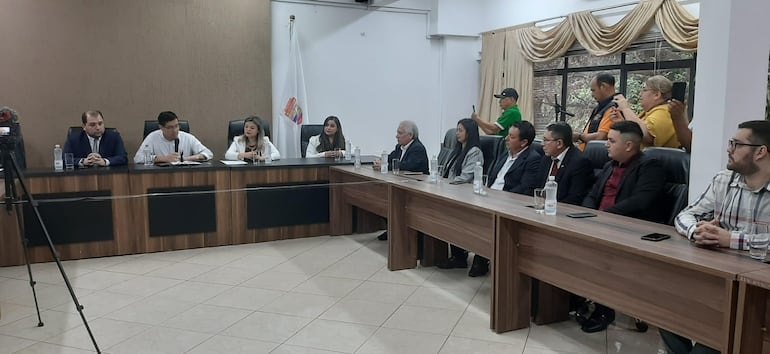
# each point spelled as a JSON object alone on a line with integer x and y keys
{"x": 95, "y": 147}
{"x": 554, "y": 167}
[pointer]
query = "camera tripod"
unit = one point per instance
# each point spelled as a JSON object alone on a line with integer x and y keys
{"x": 11, "y": 172}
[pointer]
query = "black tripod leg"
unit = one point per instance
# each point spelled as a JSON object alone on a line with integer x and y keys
{"x": 25, "y": 244}
{"x": 51, "y": 247}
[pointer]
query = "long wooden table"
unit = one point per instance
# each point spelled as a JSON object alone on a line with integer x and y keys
{"x": 136, "y": 209}
{"x": 671, "y": 284}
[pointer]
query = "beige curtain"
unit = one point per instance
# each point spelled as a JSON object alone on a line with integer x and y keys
{"x": 537, "y": 45}
{"x": 679, "y": 28}
{"x": 492, "y": 49}
{"x": 600, "y": 39}
{"x": 518, "y": 73}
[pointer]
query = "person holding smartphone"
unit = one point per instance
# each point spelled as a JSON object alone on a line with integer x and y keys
{"x": 655, "y": 121}
{"x": 598, "y": 125}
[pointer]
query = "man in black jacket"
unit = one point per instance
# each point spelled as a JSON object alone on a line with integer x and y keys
{"x": 410, "y": 152}
{"x": 562, "y": 159}
{"x": 628, "y": 185}
{"x": 514, "y": 172}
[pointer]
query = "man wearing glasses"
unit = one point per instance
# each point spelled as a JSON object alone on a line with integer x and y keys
{"x": 169, "y": 145}
{"x": 563, "y": 160}
{"x": 511, "y": 114}
{"x": 736, "y": 199}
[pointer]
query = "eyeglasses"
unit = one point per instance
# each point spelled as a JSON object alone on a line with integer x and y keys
{"x": 732, "y": 144}
{"x": 546, "y": 140}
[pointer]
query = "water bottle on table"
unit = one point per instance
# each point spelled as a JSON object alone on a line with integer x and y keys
{"x": 357, "y": 153}
{"x": 551, "y": 189}
{"x": 147, "y": 155}
{"x": 58, "y": 164}
{"x": 268, "y": 153}
{"x": 384, "y": 162}
{"x": 433, "y": 169}
{"x": 478, "y": 172}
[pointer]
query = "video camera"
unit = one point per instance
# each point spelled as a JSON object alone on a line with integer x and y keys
{"x": 9, "y": 129}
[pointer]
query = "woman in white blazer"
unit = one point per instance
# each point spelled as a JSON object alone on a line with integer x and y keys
{"x": 327, "y": 143}
{"x": 252, "y": 144}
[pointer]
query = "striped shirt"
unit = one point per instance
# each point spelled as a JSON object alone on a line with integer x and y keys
{"x": 729, "y": 200}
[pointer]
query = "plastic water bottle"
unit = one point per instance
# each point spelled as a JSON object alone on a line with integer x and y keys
{"x": 478, "y": 173}
{"x": 268, "y": 153}
{"x": 357, "y": 153}
{"x": 551, "y": 189}
{"x": 384, "y": 162}
{"x": 58, "y": 164}
{"x": 348, "y": 151}
{"x": 433, "y": 169}
{"x": 147, "y": 155}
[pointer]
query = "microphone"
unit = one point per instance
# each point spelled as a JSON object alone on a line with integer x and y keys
{"x": 176, "y": 145}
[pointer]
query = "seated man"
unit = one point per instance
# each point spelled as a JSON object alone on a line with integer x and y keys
{"x": 514, "y": 172}
{"x": 168, "y": 144}
{"x": 573, "y": 171}
{"x": 628, "y": 185}
{"x": 94, "y": 146}
{"x": 410, "y": 151}
{"x": 735, "y": 200}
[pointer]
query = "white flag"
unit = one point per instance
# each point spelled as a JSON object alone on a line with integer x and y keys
{"x": 293, "y": 112}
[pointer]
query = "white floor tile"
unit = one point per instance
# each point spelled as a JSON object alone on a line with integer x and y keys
{"x": 360, "y": 311}
{"x": 295, "y": 349}
{"x": 160, "y": 340}
{"x": 257, "y": 262}
{"x": 276, "y": 280}
{"x": 196, "y": 292}
{"x": 457, "y": 345}
{"x": 49, "y": 296}
{"x": 332, "y": 335}
{"x": 567, "y": 336}
{"x": 152, "y": 310}
{"x": 206, "y": 318}
{"x": 54, "y": 323}
{"x": 303, "y": 305}
{"x": 107, "y": 333}
{"x": 424, "y": 319}
{"x": 138, "y": 266}
{"x": 226, "y": 276}
{"x": 143, "y": 286}
{"x": 245, "y": 298}
{"x": 382, "y": 292}
{"x": 45, "y": 348}
{"x": 361, "y": 271}
{"x": 98, "y": 280}
{"x": 182, "y": 271}
{"x": 327, "y": 286}
{"x": 231, "y": 345}
{"x": 388, "y": 340}
{"x": 455, "y": 299}
{"x": 475, "y": 325}
{"x": 270, "y": 327}
{"x": 12, "y": 312}
{"x": 99, "y": 303}
{"x": 415, "y": 276}
{"x": 174, "y": 256}
{"x": 10, "y": 344}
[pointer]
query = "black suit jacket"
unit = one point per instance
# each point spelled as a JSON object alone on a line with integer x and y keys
{"x": 522, "y": 176}
{"x": 110, "y": 147}
{"x": 640, "y": 185}
{"x": 575, "y": 176}
{"x": 415, "y": 158}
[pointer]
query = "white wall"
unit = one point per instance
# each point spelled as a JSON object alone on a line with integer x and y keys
{"x": 373, "y": 66}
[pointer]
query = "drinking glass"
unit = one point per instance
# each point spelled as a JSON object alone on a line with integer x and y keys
{"x": 337, "y": 154}
{"x": 483, "y": 189}
{"x": 440, "y": 173}
{"x": 539, "y": 199}
{"x": 396, "y": 168}
{"x": 69, "y": 161}
{"x": 758, "y": 240}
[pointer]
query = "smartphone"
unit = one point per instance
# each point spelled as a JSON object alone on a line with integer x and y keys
{"x": 679, "y": 90}
{"x": 580, "y": 215}
{"x": 655, "y": 237}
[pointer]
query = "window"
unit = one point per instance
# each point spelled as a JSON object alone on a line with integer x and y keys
{"x": 570, "y": 77}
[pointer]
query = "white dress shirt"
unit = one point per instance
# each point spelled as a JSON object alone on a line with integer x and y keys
{"x": 500, "y": 179}
{"x": 312, "y": 147}
{"x": 239, "y": 145}
{"x": 188, "y": 145}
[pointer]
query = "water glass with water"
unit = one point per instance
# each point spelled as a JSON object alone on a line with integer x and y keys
{"x": 69, "y": 161}
{"x": 758, "y": 240}
{"x": 539, "y": 200}
{"x": 396, "y": 163}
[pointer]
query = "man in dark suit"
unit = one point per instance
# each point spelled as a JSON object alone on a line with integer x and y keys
{"x": 627, "y": 185}
{"x": 94, "y": 146}
{"x": 410, "y": 152}
{"x": 573, "y": 171}
{"x": 514, "y": 172}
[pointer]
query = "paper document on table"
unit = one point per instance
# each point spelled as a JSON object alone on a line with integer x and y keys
{"x": 183, "y": 163}
{"x": 231, "y": 162}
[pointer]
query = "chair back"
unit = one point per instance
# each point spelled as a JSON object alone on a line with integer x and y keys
{"x": 596, "y": 152}
{"x": 152, "y": 125}
{"x": 308, "y": 131}
{"x": 537, "y": 145}
{"x": 450, "y": 140}
{"x": 673, "y": 198}
{"x": 489, "y": 145}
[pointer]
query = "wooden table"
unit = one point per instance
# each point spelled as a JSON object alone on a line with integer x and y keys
{"x": 671, "y": 284}
{"x": 751, "y": 323}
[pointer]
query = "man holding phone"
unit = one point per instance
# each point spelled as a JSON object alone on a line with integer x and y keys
{"x": 598, "y": 124}
{"x": 511, "y": 114}
{"x": 655, "y": 121}
{"x": 736, "y": 199}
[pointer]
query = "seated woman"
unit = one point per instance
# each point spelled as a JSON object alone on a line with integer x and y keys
{"x": 466, "y": 153}
{"x": 252, "y": 144}
{"x": 655, "y": 121}
{"x": 327, "y": 143}
{"x": 461, "y": 163}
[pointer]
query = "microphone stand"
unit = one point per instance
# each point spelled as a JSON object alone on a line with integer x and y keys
{"x": 559, "y": 109}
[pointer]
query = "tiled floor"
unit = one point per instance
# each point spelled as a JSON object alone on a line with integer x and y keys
{"x": 314, "y": 295}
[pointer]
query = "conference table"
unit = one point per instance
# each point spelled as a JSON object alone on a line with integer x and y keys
{"x": 96, "y": 212}
{"x": 751, "y": 324}
{"x": 671, "y": 284}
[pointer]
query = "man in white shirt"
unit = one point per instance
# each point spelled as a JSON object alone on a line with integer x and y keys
{"x": 169, "y": 145}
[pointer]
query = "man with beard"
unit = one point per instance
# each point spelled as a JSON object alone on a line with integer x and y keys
{"x": 736, "y": 199}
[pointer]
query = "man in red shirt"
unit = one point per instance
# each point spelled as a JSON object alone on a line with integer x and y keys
{"x": 628, "y": 185}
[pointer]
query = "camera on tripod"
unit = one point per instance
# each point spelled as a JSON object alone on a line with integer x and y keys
{"x": 9, "y": 129}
